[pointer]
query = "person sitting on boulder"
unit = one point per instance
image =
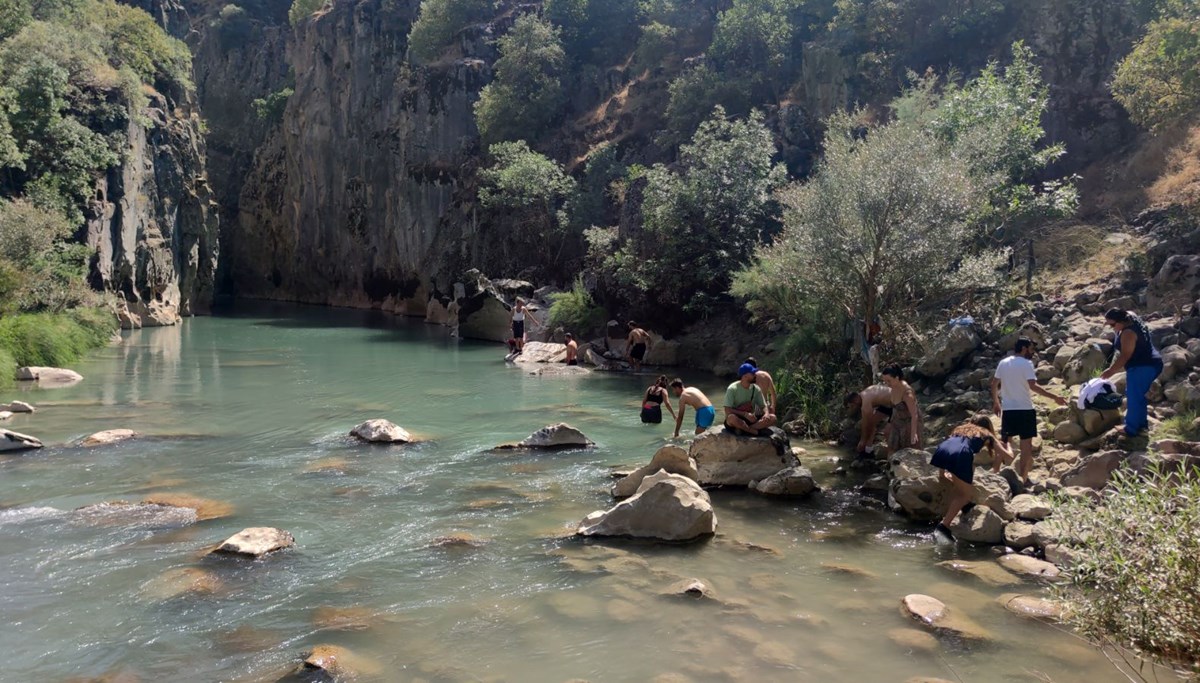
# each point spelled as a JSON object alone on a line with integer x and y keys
{"x": 1133, "y": 352}
{"x": 653, "y": 400}
{"x": 517, "y": 318}
{"x": 874, "y": 405}
{"x": 638, "y": 345}
{"x": 572, "y": 350}
{"x": 956, "y": 458}
{"x": 691, "y": 396}
{"x": 767, "y": 383}
{"x": 904, "y": 428}
{"x": 746, "y": 408}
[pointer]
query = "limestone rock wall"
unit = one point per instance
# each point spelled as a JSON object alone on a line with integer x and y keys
{"x": 153, "y": 224}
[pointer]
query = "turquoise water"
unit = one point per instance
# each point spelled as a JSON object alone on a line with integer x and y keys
{"x": 252, "y": 411}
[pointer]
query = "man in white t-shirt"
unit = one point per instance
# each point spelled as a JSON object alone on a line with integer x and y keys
{"x": 1012, "y": 400}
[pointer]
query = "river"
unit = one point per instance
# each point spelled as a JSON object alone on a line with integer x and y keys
{"x": 251, "y": 410}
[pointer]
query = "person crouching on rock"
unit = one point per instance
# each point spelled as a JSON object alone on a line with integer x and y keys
{"x": 691, "y": 396}
{"x": 652, "y": 402}
{"x": 1134, "y": 352}
{"x": 956, "y": 458}
{"x": 874, "y": 405}
{"x": 746, "y": 409}
{"x": 572, "y": 350}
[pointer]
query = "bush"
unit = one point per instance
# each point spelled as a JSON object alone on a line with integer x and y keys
{"x": 438, "y": 22}
{"x": 55, "y": 339}
{"x": 303, "y": 9}
{"x": 574, "y": 311}
{"x": 1159, "y": 81}
{"x": 810, "y": 393}
{"x": 271, "y": 107}
{"x": 1138, "y": 566}
{"x": 526, "y": 97}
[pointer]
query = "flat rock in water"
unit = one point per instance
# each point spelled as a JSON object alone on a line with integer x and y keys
{"x": 108, "y": 437}
{"x": 987, "y": 572}
{"x": 667, "y": 506}
{"x": 1031, "y": 606}
{"x": 912, "y": 639}
{"x": 11, "y": 441}
{"x": 182, "y": 581}
{"x": 724, "y": 458}
{"x": 48, "y": 377}
{"x": 692, "y": 588}
{"x": 542, "y": 352}
{"x": 204, "y": 508}
{"x": 340, "y": 663}
{"x": 669, "y": 458}
{"x": 848, "y": 570}
{"x": 552, "y": 437}
{"x": 5, "y": 414}
{"x": 380, "y": 431}
{"x": 19, "y": 407}
{"x": 934, "y": 614}
{"x": 1029, "y": 566}
{"x": 793, "y": 481}
{"x": 256, "y": 541}
{"x": 458, "y": 540}
{"x": 344, "y": 618}
{"x": 122, "y": 513}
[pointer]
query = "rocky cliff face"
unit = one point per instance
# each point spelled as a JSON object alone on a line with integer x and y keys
{"x": 353, "y": 199}
{"x": 153, "y": 223}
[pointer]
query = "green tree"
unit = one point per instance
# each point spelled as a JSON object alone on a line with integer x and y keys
{"x": 594, "y": 31}
{"x": 526, "y": 192}
{"x": 1159, "y": 81}
{"x": 754, "y": 36}
{"x": 702, "y": 221}
{"x": 303, "y": 9}
{"x": 882, "y": 220}
{"x": 694, "y": 93}
{"x": 526, "y": 97}
{"x": 437, "y": 23}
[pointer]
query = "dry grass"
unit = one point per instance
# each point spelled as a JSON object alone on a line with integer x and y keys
{"x": 1179, "y": 182}
{"x": 1072, "y": 256}
{"x": 1162, "y": 168}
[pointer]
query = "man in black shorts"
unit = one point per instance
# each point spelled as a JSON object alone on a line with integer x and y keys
{"x": 639, "y": 344}
{"x": 1013, "y": 387}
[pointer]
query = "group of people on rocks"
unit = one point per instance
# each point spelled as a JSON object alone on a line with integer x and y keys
{"x": 893, "y": 404}
{"x": 750, "y": 404}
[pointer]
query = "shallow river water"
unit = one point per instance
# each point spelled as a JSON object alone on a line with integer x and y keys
{"x": 252, "y": 411}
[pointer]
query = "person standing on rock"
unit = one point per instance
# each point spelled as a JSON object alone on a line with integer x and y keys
{"x": 653, "y": 400}
{"x": 1135, "y": 353}
{"x": 904, "y": 426}
{"x": 691, "y": 396}
{"x": 572, "y": 349}
{"x": 874, "y": 405}
{"x": 637, "y": 346}
{"x": 746, "y": 409}
{"x": 767, "y": 383}
{"x": 956, "y": 458}
{"x": 1013, "y": 387}
{"x": 517, "y": 318}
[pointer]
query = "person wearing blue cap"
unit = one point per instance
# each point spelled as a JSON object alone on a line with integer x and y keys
{"x": 746, "y": 409}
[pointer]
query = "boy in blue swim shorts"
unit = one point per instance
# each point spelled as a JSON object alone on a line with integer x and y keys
{"x": 691, "y": 396}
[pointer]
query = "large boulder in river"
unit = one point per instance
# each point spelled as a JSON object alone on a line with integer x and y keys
{"x": 256, "y": 541}
{"x": 48, "y": 377}
{"x": 666, "y": 506}
{"x": 381, "y": 431}
{"x": 543, "y": 352}
{"x": 482, "y": 311}
{"x": 917, "y": 488}
{"x": 979, "y": 525}
{"x": 19, "y": 407}
{"x": 948, "y": 352}
{"x": 935, "y": 615}
{"x": 669, "y": 458}
{"x": 11, "y": 441}
{"x": 725, "y": 458}
{"x": 559, "y": 436}
{"x": 108, "y": 437}
{"x": 793, "y": 481}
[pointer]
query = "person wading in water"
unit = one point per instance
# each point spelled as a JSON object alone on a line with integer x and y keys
{"x": 653, "y": 400}
{"x": 691, "y": 396}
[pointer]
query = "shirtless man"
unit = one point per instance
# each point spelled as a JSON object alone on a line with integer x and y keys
{"x": 746, "y": 408}
{"x": 767, "y": 383}
{"x": 572, "y": 350}
{"x": 691, "y": 396}
{"x": 637, "y": 345}
{"x": 875, "y": 405}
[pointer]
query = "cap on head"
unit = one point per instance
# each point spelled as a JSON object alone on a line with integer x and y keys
{"x": 746, "y": 369}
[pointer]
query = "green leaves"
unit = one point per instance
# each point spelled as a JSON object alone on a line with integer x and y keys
{"x": 1159, "y": 81}
{"x": 437, "y": 24}
{"x": 526, "y": 96}
{"x": 520, "y": 177}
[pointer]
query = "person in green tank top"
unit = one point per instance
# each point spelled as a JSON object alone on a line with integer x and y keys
{"x": 746, "y": 409}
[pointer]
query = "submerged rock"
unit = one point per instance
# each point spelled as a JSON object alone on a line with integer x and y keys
{"x": 205, "y": 508}
{"x": 666, "y": 506}
{"x": 19, "y": 407}
{"x": 551, "y": 437}
{"x": 344, "y": 618}
{"x": 912, "y": 639}
{"x": 692, "y": 588}
{"x": 793, "y": 481}
{"x": 934, "y": 614}
{"x": 458, "y": 540}
{"x": 724, "y": 458}
{"x": 987, "y": 572}
{"x": 380, "y": 431}
{"x": 108, "y": 437}
{"x": 340, "y": 663}
{"x": 1030, "y": 606}
{"x": 123, "y": 513}
{"x": 669, "y": 458}
{"x": 11, "y": 441}
{"x": 256, "y": 541}
{"x": 1029, "y": 566}
{"x": 48, "y": 377}
{"x": 183, "y": 581}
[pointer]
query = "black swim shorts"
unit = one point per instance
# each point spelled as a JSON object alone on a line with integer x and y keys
{"x": 1020, "y": 423}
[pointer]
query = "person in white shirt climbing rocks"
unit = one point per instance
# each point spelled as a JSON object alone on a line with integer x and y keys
{"x": 1013, "y": 387}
